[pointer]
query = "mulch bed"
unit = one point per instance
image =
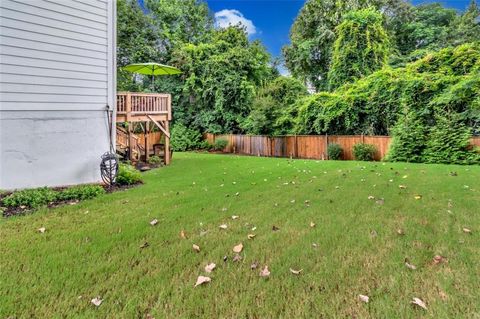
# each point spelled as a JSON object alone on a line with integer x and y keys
{"x": 22, "y": 210}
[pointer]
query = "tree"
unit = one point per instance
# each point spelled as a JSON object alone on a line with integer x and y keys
{"x": 362, "y": 47}
{"x": 312, "y": 35}
{"x": 220, "y": 80}
{"x": 467, "y": 26}
{"x": 275, "y": 107}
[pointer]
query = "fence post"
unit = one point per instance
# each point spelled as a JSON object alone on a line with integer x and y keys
{"x": 295, "y": 147}
{"x": 326, "y": 145}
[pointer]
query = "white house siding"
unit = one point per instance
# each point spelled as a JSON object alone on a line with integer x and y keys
{"x": 57, "y": 76}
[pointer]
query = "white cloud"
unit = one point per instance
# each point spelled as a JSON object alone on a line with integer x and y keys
{"x": 225, "y": 18}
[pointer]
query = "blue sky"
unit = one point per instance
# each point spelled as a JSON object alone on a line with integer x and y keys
{"x": 270, "y": 20}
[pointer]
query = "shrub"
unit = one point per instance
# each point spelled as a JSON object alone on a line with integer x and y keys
{"x": 205, "y": 145}
{"x": 31, "y": 198}
{"x": 80, "y": 192}
{"x": 128, "y": 175}
{"x": 154, "y": 160}
{"x": 364, "y": 152}
{"x": 335, "y": 151}
{"x": 184, "y": 138}
{"x": 220, "y": 144}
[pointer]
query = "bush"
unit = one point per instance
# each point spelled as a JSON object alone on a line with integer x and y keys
{"x": 31, "y": 198}
{"x": 335, "y": 151}
{"x": 205, "y": 145}
{"x": 364, "y": 152}
{"x": 184, "y": 138}
{"x": 154, "y": 160}
{"x": 128, "y": 175}
{"x": 220, "y": 144}
{"x": 80, "y": 192}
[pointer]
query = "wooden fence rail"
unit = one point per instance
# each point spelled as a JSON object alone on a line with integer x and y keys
{"x": 303, "y": 146}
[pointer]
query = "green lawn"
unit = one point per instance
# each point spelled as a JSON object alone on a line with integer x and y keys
{"x": 93, "y": 248}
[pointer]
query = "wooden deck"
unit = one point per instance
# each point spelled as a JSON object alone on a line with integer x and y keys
{"x": 145, "y": 111}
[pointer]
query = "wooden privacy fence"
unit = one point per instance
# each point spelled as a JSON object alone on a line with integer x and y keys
{"x": 303, "y": 146}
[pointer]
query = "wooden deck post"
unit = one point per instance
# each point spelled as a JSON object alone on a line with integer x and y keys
{"x": 128, "y": 106}
{"x": 167, "y": 144}
{"x": 147, "y": 130}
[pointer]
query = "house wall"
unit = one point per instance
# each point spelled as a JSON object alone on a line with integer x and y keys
{"x": 57, "y": 77}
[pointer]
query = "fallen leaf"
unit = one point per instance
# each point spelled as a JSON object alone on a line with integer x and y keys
{"x": 363, "y": 298}
{"x": 42, "y": 229}
{"x": 275, "y": 228}
{"x": 154, "y": 222}
{"x": 296, "y": 272}
{"x": 236, "y": 258}
{"x": 439, "y": 259}
{"x": 402, "y": 186}
{"x": 183, "y": 234}
{"x": 417, "y": 197}
{"x": 314, "y": 245}
{"x": 237, "y": 193}
{"x": 419, "y": 302}
{"x": 312, "y": 224}
{"x": 97, "y": 301}
{"x": 254, "y": 265}
{"x": 210, "y": 267}
{"x": 234, "y": 217}
{"x": 265, "y": 272}
{"x": 400, "y": 232}
{"x": 223, "y": 226}
{"x": 196, "y": 248}
{"x": 202, "y": 280}
{"x": 380, "y": 201}
{"x": 371, "y": 197}
{"x": 251, "y": 236}
{"x": 225, "y": 258}
{"x": 467, "y": 231}
{"x": 409, "y": 265}
{"x": 254, "y": 228}
{"x": 238, "y": 249}
{"x": 144, "y": 245}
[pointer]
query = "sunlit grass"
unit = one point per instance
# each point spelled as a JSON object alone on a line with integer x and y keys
{"x": 93, "y": 248}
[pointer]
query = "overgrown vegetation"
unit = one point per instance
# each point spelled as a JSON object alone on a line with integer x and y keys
{"x": 184, "y": 138}
{"x": 220, "y": 144}
{"x": 154, "y": 160}
{"x": 128, "y": 175}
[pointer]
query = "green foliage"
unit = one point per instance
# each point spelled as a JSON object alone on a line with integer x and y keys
{"x": 221, "y": 77}
{"x": 274, "y": 107}
{"x": 362, "y": 47}
{"x": 409, "y": 139}
{"x": 467, "y": 27}
{"x": 154, "y": 160}
{"x": 184, "y": 138}
{"x": 80, "y": 192}
{"x": 364, "y": 152}
{"x": 128, "y": 175}
{"x": 31, "y": 198}
{"x": 220, "y": 144}
{"x": 334, "y": 151}
{"x": 448, "y": 142}
{"x": 37, "y": 197}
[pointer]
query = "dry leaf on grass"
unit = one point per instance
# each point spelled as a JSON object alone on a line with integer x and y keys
{"x": 419, "y": 302}
{"x": 402, "y": 186}
{"x": 417, "y": 197}
{"x": 251, "y": 236}
{"x": 238, "y": 249}
{"x": 371, "y": 197}
{"x": 380, "y": 201}
{"x": 97, "y": 301}
{"x": 235, "y": 217}
{"x": 312, "y": 224}
{"x": 196, "y": 248}
{"x": 275, "y": 228}
{"x": 296, "y": 272}
{"x": 466, "y": 230}
{"x": 364, "y": 298}
{"x": 265, "y": 272}
{"x": 409, "y": 265}
{"x": 254, "y": 265}
{"x": 210, "y": 267}
{"x": 154, "y": 222}
{"x": 144, "y": 245}
{"x": 400, "y": 232}
{"x": 439, "y": 259}
{"x": 42, "y": 229}
{"x": 223, "y": 226}
{"x": 183, "y": 235}
{"x": 236, "y": 258}
{"x": 202, "y": 280}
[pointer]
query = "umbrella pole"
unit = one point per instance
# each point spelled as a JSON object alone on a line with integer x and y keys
{"x": 153, "y": 84}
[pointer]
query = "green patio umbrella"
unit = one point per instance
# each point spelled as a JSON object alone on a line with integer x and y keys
{"x": 152, "y": 68}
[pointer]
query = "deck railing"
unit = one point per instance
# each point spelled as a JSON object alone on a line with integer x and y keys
{"x": 144, "y": 103}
